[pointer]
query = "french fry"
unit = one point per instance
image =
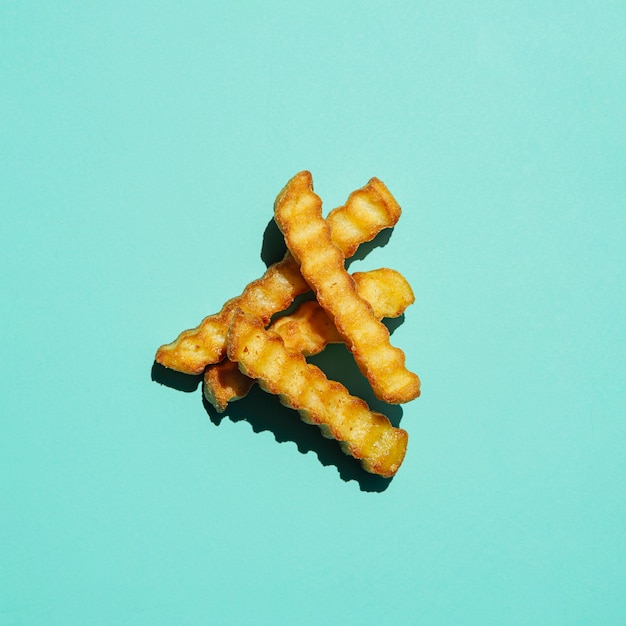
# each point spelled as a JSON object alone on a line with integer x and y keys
{"x": 223, "y": 383}
{"x": 298, "y": 213}
{"x": 362, "y": 433}
{"x": 308, "y": 330}
{"x": 367, "y": 211}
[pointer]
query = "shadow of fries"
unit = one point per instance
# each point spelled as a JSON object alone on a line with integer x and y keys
{"x": 381, "y": 240}
{"x": 273, "y": 247}
{"x": 338, "y": 364}
{"x": 183, "y": 382}
{"x": 265, "y": 413}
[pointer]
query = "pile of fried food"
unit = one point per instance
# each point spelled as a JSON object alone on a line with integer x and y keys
{"x": 253, "y": 338}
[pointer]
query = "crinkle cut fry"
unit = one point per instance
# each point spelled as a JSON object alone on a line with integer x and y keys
{"x": 198, "y": 347}
{"x": 367, "y": 211}
{"x": 309, "y": 330}
{"x": 223, "y": 383}
{"x": 298, "y": 213}
{"x": 366, "y": 435}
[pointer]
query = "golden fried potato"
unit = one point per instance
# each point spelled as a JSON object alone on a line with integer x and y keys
{"x": 364, "y": 434}
{"x": 198, "y": 347}
{"x": 223, "y": 382}
{"x": 309, "y": 330}
{"x": 367, "y": 211}
{"x": 387, "y": 291}
{"x": 298, "y": 213}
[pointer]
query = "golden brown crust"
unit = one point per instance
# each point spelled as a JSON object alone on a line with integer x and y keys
{"x": 298, "y": 213}
{"x": 194, "y": 349}
{"x": 364, "y": 434}
{"x": 309, "y": 330}
{"x": 366, "y": 212}
{"x": 223, "y": 382}
{"x": 387, "y": 291}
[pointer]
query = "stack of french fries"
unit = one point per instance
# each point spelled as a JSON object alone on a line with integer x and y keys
{"x": 239, "y": 346}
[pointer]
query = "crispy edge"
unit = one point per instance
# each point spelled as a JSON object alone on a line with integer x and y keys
{"x": 298, "y": 214}
{"x": 223, "y": 382}
{"x": 364, "y": 434}
{"x": 367, "y": 211}
{"x": 309, "y": 330}
{"x": 198, "y": 347}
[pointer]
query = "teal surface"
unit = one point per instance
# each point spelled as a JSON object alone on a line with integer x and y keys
{"x": 142, "y": 145}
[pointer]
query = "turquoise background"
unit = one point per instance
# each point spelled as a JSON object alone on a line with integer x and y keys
{"x": 142, "y": 146}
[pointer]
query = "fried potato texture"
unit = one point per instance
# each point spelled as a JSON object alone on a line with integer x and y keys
{"x": 298, "y": 213}
{"x": 309, "y": 330}
{"x": 367, "y": 212}
{"x": 364, "y": 434}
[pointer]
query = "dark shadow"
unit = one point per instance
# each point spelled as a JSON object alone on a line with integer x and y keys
{"x": 176, "y": 380}
{"x": 393, "y": 322}
{"x": 298, "y": 300}
{"x": 265, "y": 413}
{"x": 273, "y": 248}
{"x": 338, "y": 364}
{"x": 381, "y": 240}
